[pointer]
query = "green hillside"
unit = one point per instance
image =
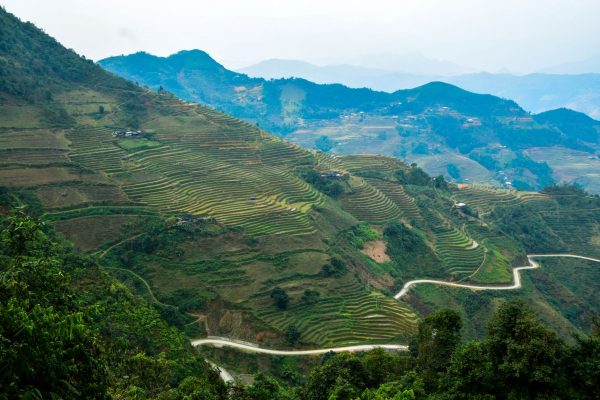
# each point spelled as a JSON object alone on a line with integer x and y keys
{"x": 467, "y": 137}
{"x": 244, "y": 232}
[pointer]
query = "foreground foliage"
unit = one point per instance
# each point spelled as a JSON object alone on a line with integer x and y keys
{"x": 518, "y": 359}
{"x": 68, "y": 330}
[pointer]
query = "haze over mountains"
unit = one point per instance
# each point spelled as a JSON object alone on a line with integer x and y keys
{"x": 464, "y": 136}
{"x": 534, "y": 92}
{"x": 134, "y": 222}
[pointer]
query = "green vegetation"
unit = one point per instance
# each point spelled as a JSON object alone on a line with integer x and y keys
{"x": 328, "y": 183}
{"x": 137, "y": 144}
{"x": 207, "y": 221}
{"x": 361, "y": 234}
{"x": 449, "y": 131}
{"x": 280, "y": 297}
{"x": 68, "y": 330}
{"x": 518, "y": 359}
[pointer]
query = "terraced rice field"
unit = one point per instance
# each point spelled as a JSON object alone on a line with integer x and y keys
{"x": 199, "y": 165}
{"x": 485, "y": 199}
{"x": 353, "y": 315}
{"x": 367, "y": 203}
{"x": 460, "y": 253}
{"x": 264, "y": 200}
{"x": 580, "y": 230}
{"x": 396, "y": 193}
{"x": 93, "y": 148}
{"x": 360, "y": 163}
{"x": 209, "y": 164}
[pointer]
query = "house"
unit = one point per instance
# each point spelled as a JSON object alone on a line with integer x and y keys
{"x": 126, "y": 133}
{"x": 332, "y": 175}
{"x": 459, "y": 205}
{"x": 187, "y": 219}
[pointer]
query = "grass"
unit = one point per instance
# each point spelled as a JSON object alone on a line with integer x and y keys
{"x": 137, "y": 144}
{"x": 99, "y": 230}
{"x": 562, "y": 293}
{"x": 73, "y": 195}
{"x": 29, "y": 176}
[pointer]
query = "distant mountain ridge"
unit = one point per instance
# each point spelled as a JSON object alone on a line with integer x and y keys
{"x": 536, "y": 92}
{"x": 450, "y": 131}
{"x": 224, "y": 229}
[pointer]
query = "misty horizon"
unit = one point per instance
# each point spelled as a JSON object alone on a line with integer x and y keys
{"x": 538, "y": 36}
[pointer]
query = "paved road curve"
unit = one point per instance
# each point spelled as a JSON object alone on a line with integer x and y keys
{"x": 516, "y": 276}
{"x": 224, "y": 342}
{"x": 250, "y": 347}
{"x": 224, "y": 374}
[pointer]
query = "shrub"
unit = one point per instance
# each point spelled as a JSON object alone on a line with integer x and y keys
{"x": 281, "y": 298}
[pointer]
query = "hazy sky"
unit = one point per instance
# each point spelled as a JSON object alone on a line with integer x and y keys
{"x": 520, "y": 35}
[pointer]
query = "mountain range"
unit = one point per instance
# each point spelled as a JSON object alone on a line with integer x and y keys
{"x": 133, "y": 222}
{"x": 537, "y": 92}
{"x": 464, "y": 136}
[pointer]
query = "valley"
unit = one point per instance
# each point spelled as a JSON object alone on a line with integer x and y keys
{"x": 464, "y": 136}
{"x": 147, "y": 238}
{"x": 213, "y": 223}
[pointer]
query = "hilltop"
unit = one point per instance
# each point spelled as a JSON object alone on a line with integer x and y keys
{"x": 467, "y": 137}
{"x": 537, "y": 92}
{"x": 255, "y": 238}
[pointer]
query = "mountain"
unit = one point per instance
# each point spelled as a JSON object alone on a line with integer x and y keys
{"x": 349, "y": 75}
{"x": 539, "y": 92}
{"x": 572, "y": 123}
{"x": 277, "y": 69}
{"x": 153, "y": 221}
{"x": 591, "y": 64}
{"x": 482, "y": 138}
{"x": 534, "y": 92}
{"x": 412, "y": 63}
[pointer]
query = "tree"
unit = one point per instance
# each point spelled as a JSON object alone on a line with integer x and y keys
{"x": 470, "y": 373}
{"x": 100, "y": 109}
{"x": 292, "y": 334}
{"x": 341, "y": 376}
{"x": 527, "y": 359}
{"x": 453, "y": 171}
{"x": 266, "y": 388}
{"x": 324, "y": 144}
{"x": 437, "y": 338}
{"x": 46, "y": 348}
{"x": 439, "y": 182}
{"x": 310, "y": 296}
{"x": 336, "y": 267}
{"x": 280, "y": 297}
{"x": 583, "y": 365}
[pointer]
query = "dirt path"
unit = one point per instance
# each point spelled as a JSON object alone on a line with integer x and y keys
{"x": 154, "y": 299}
{"x": 105, "y": 252}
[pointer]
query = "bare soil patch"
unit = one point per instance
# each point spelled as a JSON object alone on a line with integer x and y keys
{"x": 375, "y": 250}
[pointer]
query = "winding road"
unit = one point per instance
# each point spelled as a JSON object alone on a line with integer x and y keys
{"x": 516, "y": 276}
{"x": 223, "y": 373}
{"x": 253, "y": 348}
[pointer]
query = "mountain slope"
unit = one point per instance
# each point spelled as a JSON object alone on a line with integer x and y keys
{"x": 249, "y": 235}
{"x": 482, "y": 138}
{"x": 534, "y": 92}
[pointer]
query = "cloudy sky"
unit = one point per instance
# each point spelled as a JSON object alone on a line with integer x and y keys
{"x": 518, "y": 35}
